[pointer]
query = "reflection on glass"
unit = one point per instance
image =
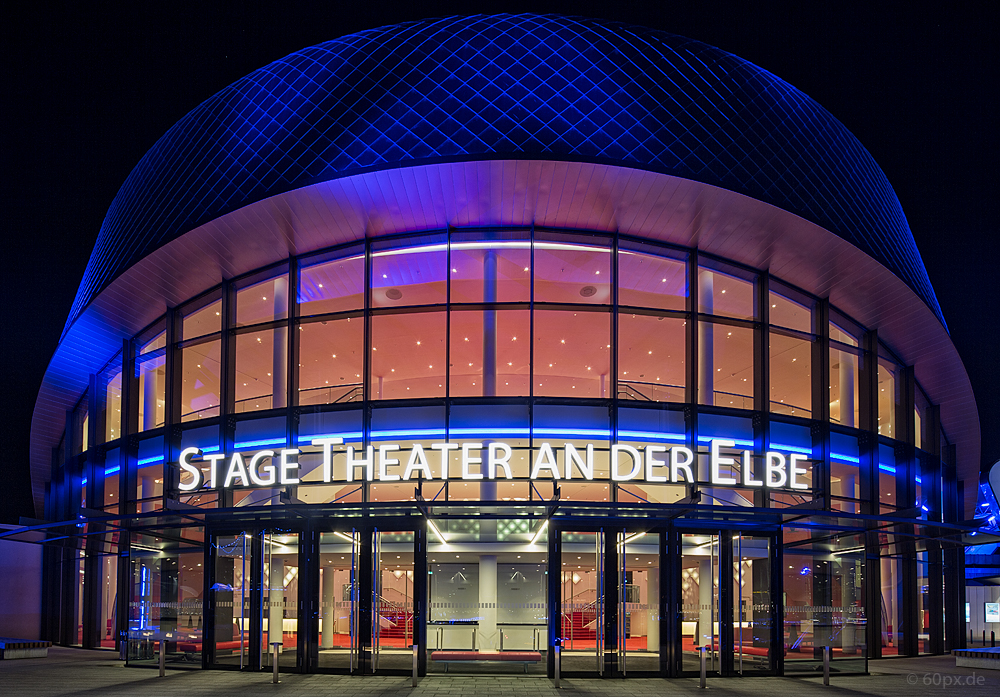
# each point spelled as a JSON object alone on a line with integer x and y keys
{"x": 791, "y": 376}
{"x": 651, "y": 358}
{"x": 331, "y": 360}
{"x": 824, "y": 599}
{"x": 165, "y": 590}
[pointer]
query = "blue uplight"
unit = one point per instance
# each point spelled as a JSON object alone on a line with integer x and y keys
{"x": 257, "y": 443}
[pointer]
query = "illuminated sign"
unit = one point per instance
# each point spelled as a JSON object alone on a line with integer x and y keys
{"x": 490, "y": 461}
{"x": 993, "y": 612}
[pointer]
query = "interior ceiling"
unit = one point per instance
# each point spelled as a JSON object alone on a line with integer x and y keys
{"x": 511, "y": 193}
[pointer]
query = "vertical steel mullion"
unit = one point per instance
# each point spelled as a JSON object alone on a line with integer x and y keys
{"x": 762, "y": 378}
{"x": 292, "y": 354}
{"x": 613, "y": 358}
{"x": 691, "y": 354}
{"x": 366, "y": 372}
{"x": 227, "y": 396}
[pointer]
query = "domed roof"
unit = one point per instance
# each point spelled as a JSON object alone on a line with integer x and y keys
{"x": 505, "y": 87}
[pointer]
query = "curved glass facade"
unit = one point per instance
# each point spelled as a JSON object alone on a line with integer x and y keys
{"x": 580, "y": 354}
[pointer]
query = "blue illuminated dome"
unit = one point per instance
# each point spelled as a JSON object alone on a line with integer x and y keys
{"x": 505, "y": 87}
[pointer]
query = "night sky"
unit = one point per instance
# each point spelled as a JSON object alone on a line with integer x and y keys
{"x": 90, "y": 87}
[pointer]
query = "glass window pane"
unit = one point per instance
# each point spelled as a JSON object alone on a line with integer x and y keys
{"x": 888, "y": 398}
{"x": 722, "y": 294}
{"x": 646, "y": 280}
{"x": 725, "y": 365}
{"x": 331, "y": 361}
{"x": 470, "y": 331}
{"x": 332, "y": 286}
{"x": 844, "y": 397}
{"x": 113, "y": 402}
{"x": 410, "y": 276}
{"x": 570, "y": 272}
{"x": 651, "y": 358}
{"x": 572, "y": 353}
{"x": 261, "y": 365}
{"x": 842, "y": 335}
{"x": 203, "y": 321}
{"x": 200, "y": 380}
{"x": 490, "y": 271}
{"x": 263, "y": 301}
{"x": 150, "y": 366}
{"x": 791, "y": 381}
{"x": 408, "y": 355}
{"x": 785, "y": 312}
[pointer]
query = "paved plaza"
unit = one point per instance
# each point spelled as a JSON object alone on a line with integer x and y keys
{"x": 95, "y": 673}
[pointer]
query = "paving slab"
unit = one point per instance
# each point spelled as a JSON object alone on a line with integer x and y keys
{"x": 78, "y": 673}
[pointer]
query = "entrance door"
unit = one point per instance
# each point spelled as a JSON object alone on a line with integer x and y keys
{"x": 392, "y": 601}
{"x": 338, "y": 584}
{"x": 753, "y": 625}
{"x": 639, "y": 603}
{"x": 280, "y": 596}
{"x": 699, "y": 601}
{"x": 229, "y": 600}
{"x": 582, "y": 584}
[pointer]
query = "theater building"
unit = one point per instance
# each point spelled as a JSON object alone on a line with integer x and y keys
{"x": 490, "y": 334}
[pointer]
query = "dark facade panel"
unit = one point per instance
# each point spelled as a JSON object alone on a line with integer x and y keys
{"x": 508, "y": 86}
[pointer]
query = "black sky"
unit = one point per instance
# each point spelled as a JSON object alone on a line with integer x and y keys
{"x": 89, "y": 87}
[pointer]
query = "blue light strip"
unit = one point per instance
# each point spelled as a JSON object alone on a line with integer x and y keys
{"x": 791, "y": 448}
{"x": 112, "y": 470}
{"x": 598, "y": 432}
{"x": 489, "y": 431}
{"x": 649, "y": 435}
{"x": 845, "y": 458}
{"x": 346, "y": 437}
{"x": 256, "y": 443}
{"x": 150, "y": 460}
{"x": 737, "y": 441}
{"x": 887, "y": 468}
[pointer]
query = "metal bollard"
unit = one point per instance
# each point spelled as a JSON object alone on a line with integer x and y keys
{"x": 163, "y": 656}
{"x": 993, "y": 639}
{"x": 826, "y": 665}
{"x": 704, "y": 667}
{"x": 416, "y": 664}
{"x": 984, "y": 637}
{"x": 275, "y": 647}
{"x": 558, "y": 653}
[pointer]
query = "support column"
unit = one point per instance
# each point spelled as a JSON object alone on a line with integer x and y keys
{"x": 848, "y": 369}
{"x": 275, "y": 598}
{"x": 328, "y": 612}
{"x": 279, "y": 363}
{"x": 150, "y": 393}
{"x": 653, "y": 612}
{"x": 486, "y": 636}
{"x": 706, "y": 599}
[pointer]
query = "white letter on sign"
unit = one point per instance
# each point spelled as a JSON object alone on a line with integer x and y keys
{"x": 718, "y": 460}
{"x": 636, "y": 462}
